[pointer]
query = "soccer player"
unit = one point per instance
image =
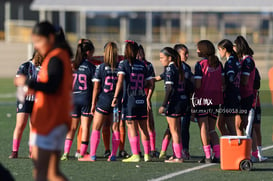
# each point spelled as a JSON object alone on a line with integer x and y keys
{"x": 209, "y": 78}
{"x": 232, "y": 70}
{"x": 256, "y": 131}
{"x": 82, "y": 96}
{"x": 185, "y": 119}
{"x": 105, "y": 81}
{"x": 150, "y": 120}
{"x": 29, "y": 69}
{"x": 51, "y": 111}
{"x": 244, "y": 53}
{"x": 132, "y": 77}
{"x": 175, "y": 101}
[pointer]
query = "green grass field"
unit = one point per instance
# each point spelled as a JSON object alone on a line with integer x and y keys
{"x": 21, "y": 168}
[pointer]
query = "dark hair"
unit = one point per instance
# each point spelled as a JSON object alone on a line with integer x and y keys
{"x": 37, "y": 58}
{"x": 83, "y": 46}
{"x": 207, "y": 50}
{"x": 46, "y": 29}
{"x": 131, "y": 50}
{"x": 141, "y": 53}
{"x": 178, "y": 47}
{"x": 170, "y": 52}
{"x": 228, "y": 45}
{"x": 242, "y": 47}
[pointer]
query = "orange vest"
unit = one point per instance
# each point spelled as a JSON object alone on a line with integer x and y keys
{"x": 270, "y": 78}
{"x": 51, "y": 110}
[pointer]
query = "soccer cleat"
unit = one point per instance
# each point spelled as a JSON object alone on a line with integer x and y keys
{"x": 133, "y": 158}
{"x": 154, "y": 154}
{"x": 254, "y": 159}
{"x": 162, "y": 155}
{"x": 262, "y": 158}
{"x": 77, "y": 154}
{"x": 216, "y": 160}
{"x": 147, "y": 158}
{"x": 107, "y": 153}
{"x": 112, "y": 158}
{"x": 64, "y": 157}
{"x": 186, "y": 155}
{"x": 13, "y": 155}
{"x": 174, "y": 160}
{"x": 205, "y": 160}
{"x": 123, "y": 154}
{"x": 88, "y": 158}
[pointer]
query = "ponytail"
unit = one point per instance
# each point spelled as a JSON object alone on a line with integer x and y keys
{"x": 111, "y": 54}
{"x": 83, "y": 46}
{"x": 207, "y": 51}
{"x": 131, "y": 50}
{"x": 228, "y": 45}
{"x": 170, "y": 52}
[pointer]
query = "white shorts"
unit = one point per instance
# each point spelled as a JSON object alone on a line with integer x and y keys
{"x": 54, "y": 141}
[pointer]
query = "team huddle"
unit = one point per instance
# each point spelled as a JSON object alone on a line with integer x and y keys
{"x": 110, "y": 91}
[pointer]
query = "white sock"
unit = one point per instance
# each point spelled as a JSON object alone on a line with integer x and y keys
{"x": 259, "y": 151}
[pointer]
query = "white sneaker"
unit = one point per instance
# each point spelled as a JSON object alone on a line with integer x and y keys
{"x": 262, "y": 158}
{"x": 77, "y": 154}
{"x": 254, "y": 159}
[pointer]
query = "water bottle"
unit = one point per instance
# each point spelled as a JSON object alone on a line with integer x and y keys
{"x": 115, "y": 114}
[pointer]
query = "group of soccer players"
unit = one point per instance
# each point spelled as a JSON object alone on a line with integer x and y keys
{"x": 110, "y": 89}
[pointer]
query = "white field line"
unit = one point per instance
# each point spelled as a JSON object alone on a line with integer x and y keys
{"x": 174, "y": 174}
{"x": 8, "y": 95}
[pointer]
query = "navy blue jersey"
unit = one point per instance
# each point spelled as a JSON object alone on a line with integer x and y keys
{"x": 29, "y": 70}
{"x": 232, "y": 71}
{"x": 188, "y": 75}
{"x": 82, "y": 83}
{"x": 108, "y": 79}
{"x": 171, "y": 76}
{"x": 135, "y": 76}
{"x": 257, "y": 80}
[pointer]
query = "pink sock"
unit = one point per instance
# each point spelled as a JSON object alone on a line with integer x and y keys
{"x": 95, "y": 140}
{"x": 133, "y": 143}
{"x": 146, "y": 146}
{"x": 138, "y": 143}
{"x": 83, "y": 149}
{"x": 207, "y": 151}
{"x": 216, "y": 150}
{"x": 177, "y": 150}
{"x": 165, "y": 144}
{"x": 115, "y": 142}
{"x": 152, "y": 140}
{"x": 15, "y": 144}
{"x": 67, "y": 145}
{"x": 30, "y": 149}
{"x": 255, "y": 154}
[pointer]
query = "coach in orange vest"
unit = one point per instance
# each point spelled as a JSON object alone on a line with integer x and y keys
{"x": 51, "y": 112}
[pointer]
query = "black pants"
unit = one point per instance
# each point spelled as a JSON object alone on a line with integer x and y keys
{"x": 185, "y": 131}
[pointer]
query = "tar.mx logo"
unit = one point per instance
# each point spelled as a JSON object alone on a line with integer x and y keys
{"x": 200, "y": 101}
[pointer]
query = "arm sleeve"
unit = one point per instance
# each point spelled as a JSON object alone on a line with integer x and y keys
{"x": 229, "y": 71}
{"x": 23, "y": 69}
{"x": 198, "y": 71}
{"x": 97, "y": 76}
{"x": 257, "y": 80}
{"x": 55, "y": 75}
{"x": 121, "y": 68}
{"x": 248, "y": 66}
{"x": 168, "y": 91}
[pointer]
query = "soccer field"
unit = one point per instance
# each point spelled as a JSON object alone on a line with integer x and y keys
{"x": 21, "y": 168}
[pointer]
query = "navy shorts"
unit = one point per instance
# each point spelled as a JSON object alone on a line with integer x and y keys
{"x": 246, "y": 105}
{"x": 81, "y": 110}
{"x": 25, "y": 107}
{"x": 134, "y": 108}
{"x": 257, "y": 116}
{"x": 204, "y": 111}
{"x": 176, "y": 109}
{"x": 231, "y": 105}
{"x": 104, "y": 105}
